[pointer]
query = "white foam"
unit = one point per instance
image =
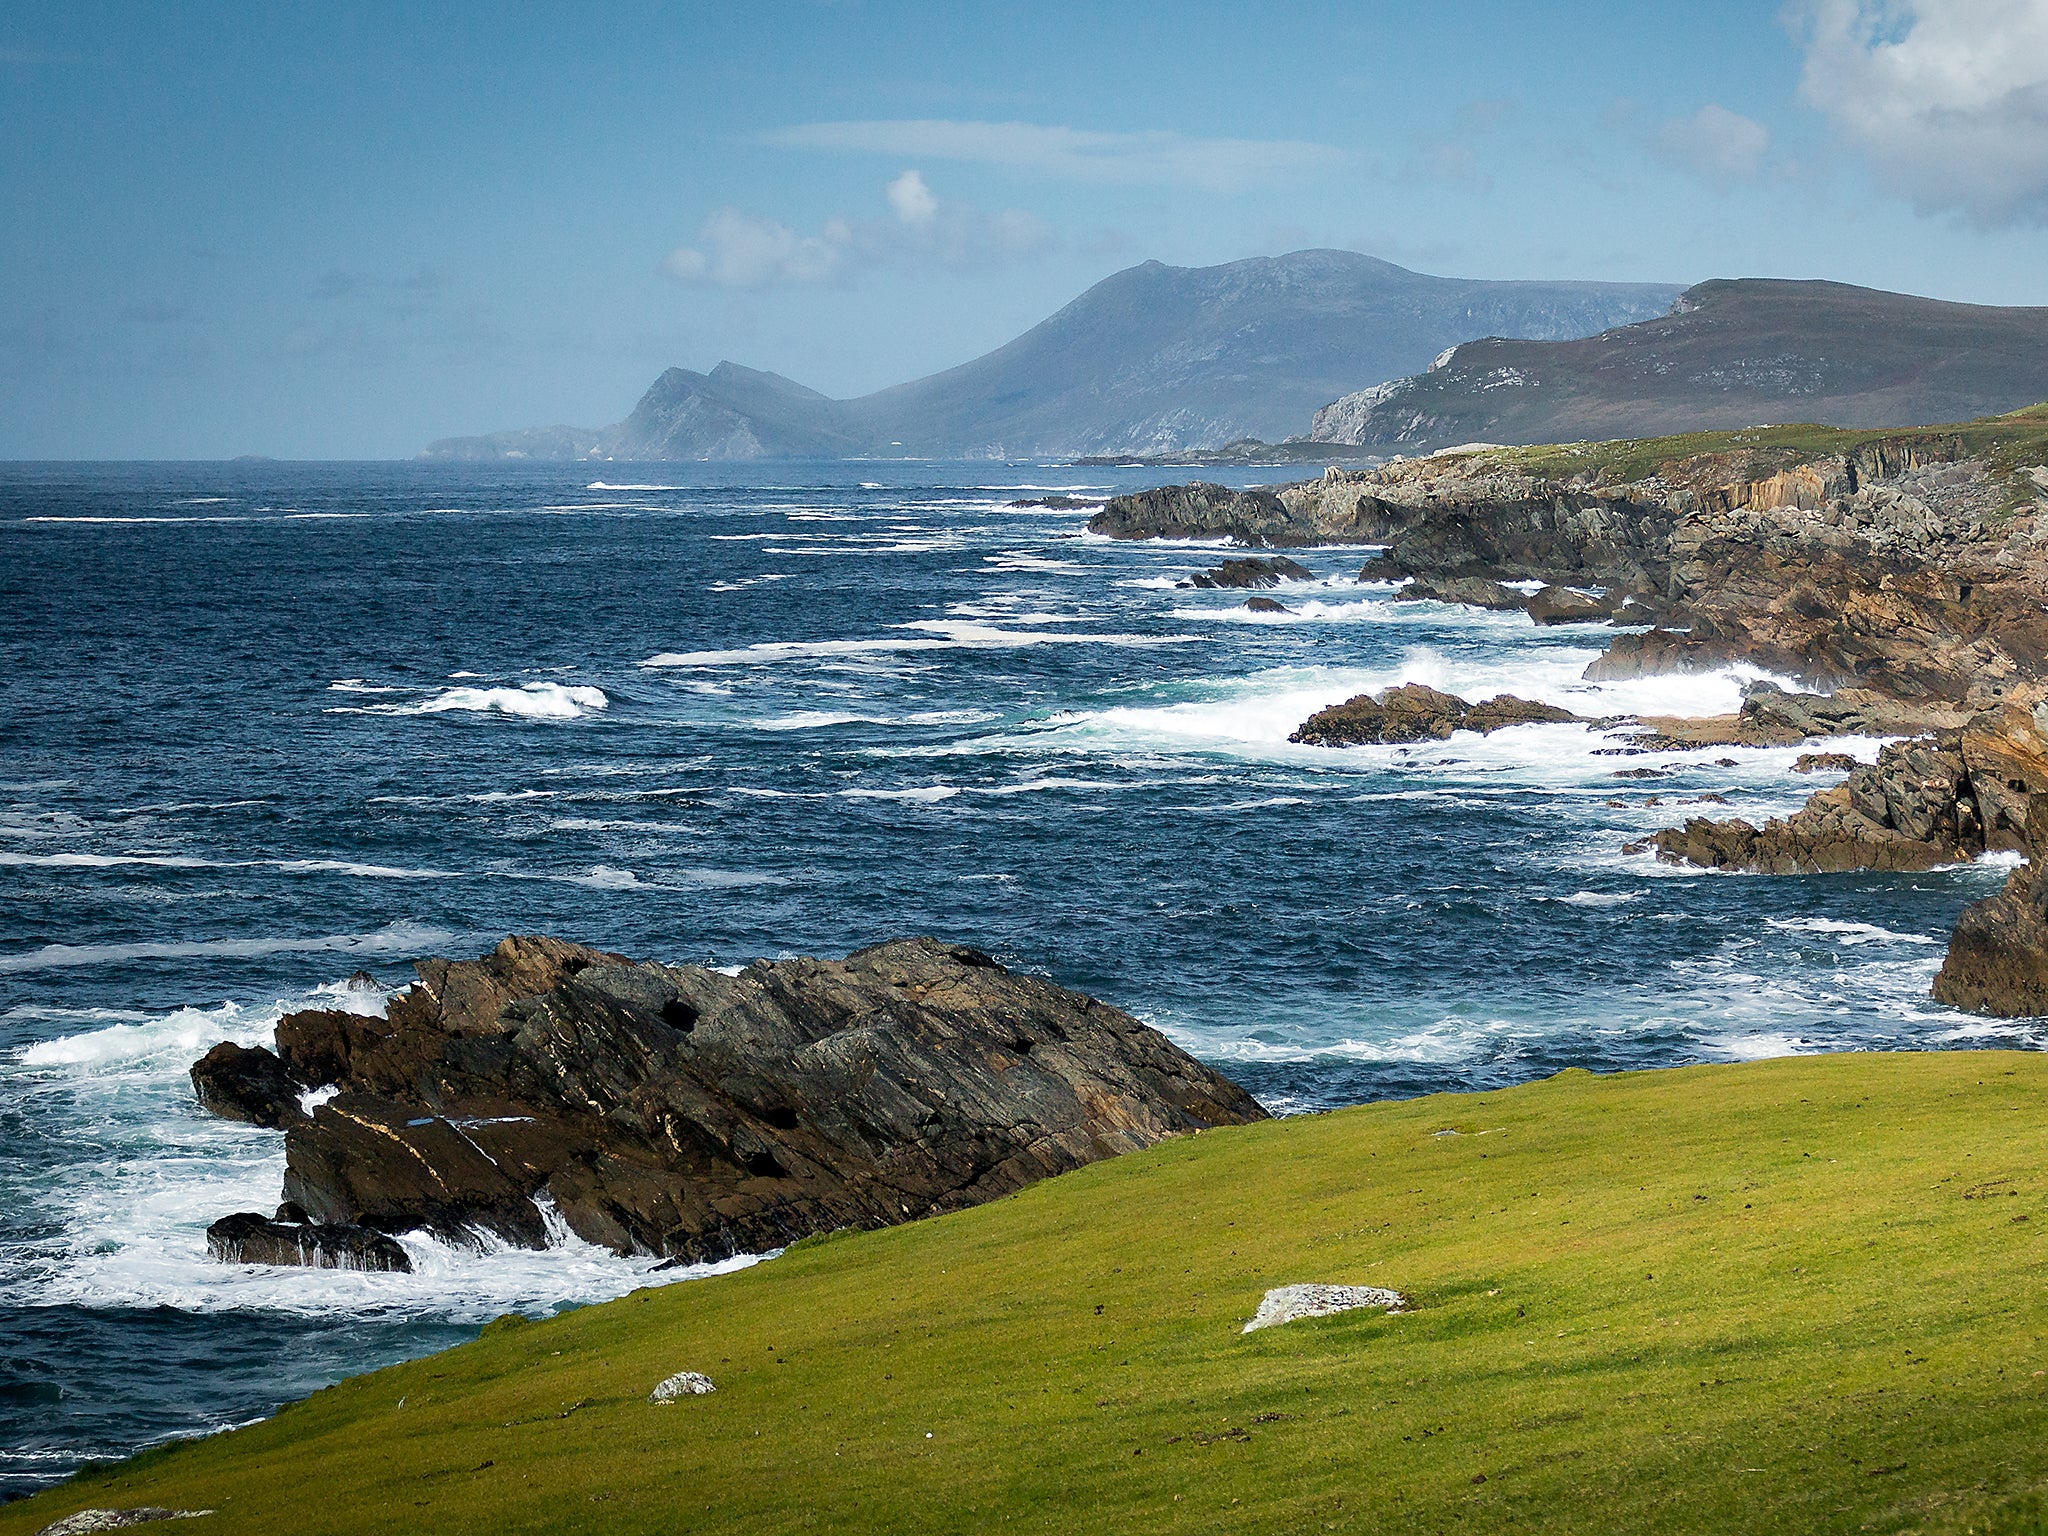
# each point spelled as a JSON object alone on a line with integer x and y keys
{"x": 928, "y": 793}
{"x": 129, "y": 1212}
{"x": 600, "y": 485}
{"x": 532, "y": 701}
{"x": 937, "y": 635}
{"x": 1847, "y": 932}
{"x": 398, "y": 938}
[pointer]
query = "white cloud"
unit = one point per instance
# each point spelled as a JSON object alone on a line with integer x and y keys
{"x": 1716, "y": 145}
{"x": 742, "y": 250}
{"x": 739, "y": 250}
{"x": 1074, "y": 154}
{"x": 912, "y": 199}
{"x": 1946, "y": 99}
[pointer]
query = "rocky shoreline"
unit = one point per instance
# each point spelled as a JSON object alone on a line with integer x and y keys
{"x": 686, "y": 1113}
{"x": 1901, "y": 576}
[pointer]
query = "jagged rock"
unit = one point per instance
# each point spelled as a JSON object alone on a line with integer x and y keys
{"x": 1997, "y": 960}
{"x": 1911, "y": 809}
{"x": 1416, "y": 712}
{"x": 1060, "y": 503}
{"x": 1470, "y": 591}
{"x": 1252, "y": 572}
{"x": 1562, "y": 605}
{"x": 1824, "y": 762}
{"x": 678, "y": 1111}
{"x": 248, "y": 1083}
{"x": 1199, "y": 511}
{"x": 247, "y": 1238}
{"x": 1265, "y": 605}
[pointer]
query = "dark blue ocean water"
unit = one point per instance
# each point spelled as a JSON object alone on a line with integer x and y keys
{"x": 262, "y": 726}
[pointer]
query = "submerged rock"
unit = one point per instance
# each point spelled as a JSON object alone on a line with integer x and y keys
{"x": 249, "y": 1083}
{"x": 678, "y": 1111}
{"x": 247, "y": 1238}
{"x": 1417, "y": 712}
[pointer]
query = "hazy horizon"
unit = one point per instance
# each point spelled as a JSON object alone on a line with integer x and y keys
{"x": 341, "y": 236}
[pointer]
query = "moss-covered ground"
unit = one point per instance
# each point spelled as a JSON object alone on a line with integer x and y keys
{"x": 2007, "y": 443}
{"x": 1803, "y": 1296}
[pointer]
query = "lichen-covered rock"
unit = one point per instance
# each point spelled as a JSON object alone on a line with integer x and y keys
{"x": 682, "y": 1384}
{"x": 678, "y": 1111}
{"x": 1291, "y": 1303}
{"x": 1417, "y": 712}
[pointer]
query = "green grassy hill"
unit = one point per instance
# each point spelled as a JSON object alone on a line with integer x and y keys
{"x": 1801, "y": 1296}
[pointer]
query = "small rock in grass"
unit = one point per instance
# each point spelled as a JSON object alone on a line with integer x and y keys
{"x": 1290, "y": 1303}
{"x": 682, "y": 1384}
{"x": 114, "y": 1519}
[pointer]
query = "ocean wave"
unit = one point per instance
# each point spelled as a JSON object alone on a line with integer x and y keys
{"x": 398, "y": 938}
{"x": 938, "y": 635}
{"x": 1847, "y": 932}
{"x": 532, "y": 701}
{"x": 600, "y": 485}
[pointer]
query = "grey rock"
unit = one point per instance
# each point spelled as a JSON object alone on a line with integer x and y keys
{"x": 248, "y": 1238}
{"x": 682, "y": 1384}
{"x": 1291, "y": 1303}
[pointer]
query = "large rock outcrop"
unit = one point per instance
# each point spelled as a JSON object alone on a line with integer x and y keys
{"x": 679, "y": 1111}
{"x": 1201, "y": 511}
{"x": 1417, "y": 712}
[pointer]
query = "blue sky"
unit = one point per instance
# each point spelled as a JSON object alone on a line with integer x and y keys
{"x": 342, "y": 230}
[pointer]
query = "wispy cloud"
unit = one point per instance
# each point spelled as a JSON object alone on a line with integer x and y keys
{"x": 1720, "y": 147}
{"x": 1155, "y": 156}
{"x": 735, "y": 249}
{"x": 1947, "y": 100}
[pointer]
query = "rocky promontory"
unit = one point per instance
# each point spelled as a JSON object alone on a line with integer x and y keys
{"x": 687, "y": 1113}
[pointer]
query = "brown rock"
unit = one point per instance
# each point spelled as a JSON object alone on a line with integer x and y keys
{"x": 1265, "y": 605}
{"x": 247, "y": 1238}
{"x": 1824, "y": 762}
{"x": 1562, "y": 605}
{"x": 679, "y": 1111}
{"x": 1416, "y": 712}
{"x": 246, "y": 1083}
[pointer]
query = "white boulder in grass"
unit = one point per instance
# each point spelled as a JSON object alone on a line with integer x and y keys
{"x": 1290, "y": 1303}
{"x": 682, "y": 1384}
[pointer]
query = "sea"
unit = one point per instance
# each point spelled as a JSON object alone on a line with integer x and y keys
{"x": 269, "y": 733}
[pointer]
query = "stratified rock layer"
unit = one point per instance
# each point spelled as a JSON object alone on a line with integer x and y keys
{"x": 679, "y": 1111}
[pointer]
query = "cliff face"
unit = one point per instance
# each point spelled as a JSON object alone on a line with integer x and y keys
{"x": 1729, "y": 355}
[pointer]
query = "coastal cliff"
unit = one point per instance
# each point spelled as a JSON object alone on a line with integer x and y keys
{"x": 1903, "y": 576}
{"x": 683, "y": 1112}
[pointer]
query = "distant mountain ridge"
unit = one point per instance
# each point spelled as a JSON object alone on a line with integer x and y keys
{"x": 1732, "y": 353}
{"x": 1152, "y": 359}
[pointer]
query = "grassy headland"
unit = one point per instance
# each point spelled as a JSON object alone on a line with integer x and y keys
{"x": 1799, "y": 1295}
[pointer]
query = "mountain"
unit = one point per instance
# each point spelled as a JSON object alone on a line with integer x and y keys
{"x": 1153, "y": 359}
{"x": 1732, "y": 353}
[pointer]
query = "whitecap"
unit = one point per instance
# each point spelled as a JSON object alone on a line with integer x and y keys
{"x": 402, "y": 938}
{"x": 1846, "y": 932}
{"x": 533, "y": 701}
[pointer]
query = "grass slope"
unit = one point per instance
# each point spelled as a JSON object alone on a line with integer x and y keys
{"x": 1799, "y": 1295}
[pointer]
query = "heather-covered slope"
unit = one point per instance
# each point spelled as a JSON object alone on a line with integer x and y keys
{"x": 1731, "y": 354}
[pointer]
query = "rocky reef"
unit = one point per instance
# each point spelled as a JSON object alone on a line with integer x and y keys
{"x": 1414, "y": 712}
{"x": 1901, "y": 575}
{"x": 679, "y": 1111}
